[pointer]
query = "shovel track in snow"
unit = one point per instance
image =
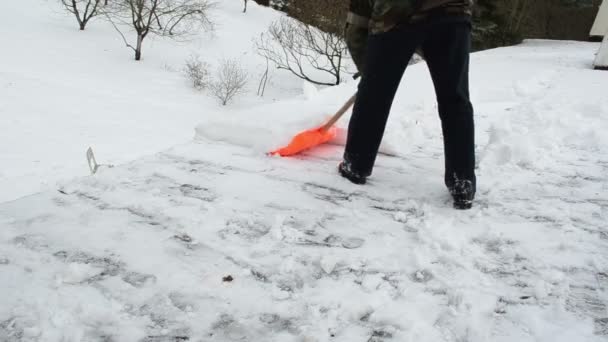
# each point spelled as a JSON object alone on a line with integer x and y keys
{"x": 300, "y": 247}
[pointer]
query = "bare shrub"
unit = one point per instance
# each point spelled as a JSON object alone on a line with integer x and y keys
{"x": 167, "y": 18}
{"x": 297, "y": 47}
{"x": 197, "y": 72}
{"x": 230, "y": 81}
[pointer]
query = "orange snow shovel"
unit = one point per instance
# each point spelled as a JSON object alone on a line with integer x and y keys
{"x": 314, "y": 137}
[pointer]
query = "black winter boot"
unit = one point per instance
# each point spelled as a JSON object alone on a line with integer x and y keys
{"x": 463, "y": 194}
{"x": 346, "y": 170}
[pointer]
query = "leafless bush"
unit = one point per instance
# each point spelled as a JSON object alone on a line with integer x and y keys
{"x": 167, "y": 18}
{"x": 83, "y": 10}
{"x": 197, "y": 72}
{"x": 298, "y": 47}
{"x": 230, "y": 81}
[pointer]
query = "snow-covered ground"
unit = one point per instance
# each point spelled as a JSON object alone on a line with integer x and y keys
{"x": 62, "y": 90}
{"x": 212, "y": 240}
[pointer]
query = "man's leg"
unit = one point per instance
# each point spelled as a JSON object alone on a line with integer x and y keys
{"x": 446, "y": 51}
{"x": 387, "y": 57}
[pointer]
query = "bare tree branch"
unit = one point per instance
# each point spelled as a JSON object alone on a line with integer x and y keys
{"x": 91, "y": 9}
{"x": 121, "y": 34}
{"x": 298, "y": 47}
{"x": 166, "y": 18}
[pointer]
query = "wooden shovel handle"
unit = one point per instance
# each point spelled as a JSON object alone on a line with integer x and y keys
{"x": 339, "y": 114}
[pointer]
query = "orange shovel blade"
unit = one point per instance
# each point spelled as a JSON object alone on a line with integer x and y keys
{"x": 306, "y": 140}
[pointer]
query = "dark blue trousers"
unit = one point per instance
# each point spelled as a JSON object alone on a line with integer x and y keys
{"x": 445, "y": 43}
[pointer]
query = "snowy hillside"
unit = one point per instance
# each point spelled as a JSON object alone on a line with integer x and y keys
{"x": 212, "y": 240}
{"x": 63, "y": 90}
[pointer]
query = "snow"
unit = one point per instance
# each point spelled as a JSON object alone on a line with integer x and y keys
{"x": 213, "y": 240}
{"x": 63, "y": 90}
{"x": 601, "y": 60}
{"x": 155, "y": 238}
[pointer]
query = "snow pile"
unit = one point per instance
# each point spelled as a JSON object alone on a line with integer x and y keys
{"x": 507, "y": 82}
{"x": 266, "y": 127}
{"x": 601, "y": 60}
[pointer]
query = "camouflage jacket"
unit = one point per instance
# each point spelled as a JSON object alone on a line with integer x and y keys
{"x": 375, "y": 16}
